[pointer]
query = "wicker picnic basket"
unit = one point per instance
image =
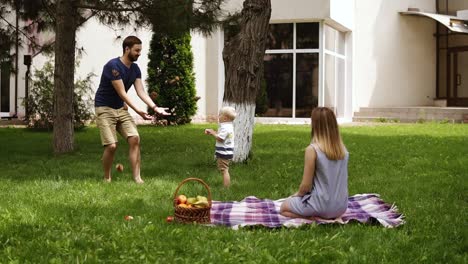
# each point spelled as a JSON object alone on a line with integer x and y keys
{"x": 192, "y": 214}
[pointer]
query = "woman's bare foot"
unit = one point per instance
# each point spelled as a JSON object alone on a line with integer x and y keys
{"x": 107, "y": 180}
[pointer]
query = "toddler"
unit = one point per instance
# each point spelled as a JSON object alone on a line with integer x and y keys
{"x": 224, "y": 141}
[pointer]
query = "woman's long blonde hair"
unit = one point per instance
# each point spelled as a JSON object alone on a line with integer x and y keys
{"x": 325, "y": 133}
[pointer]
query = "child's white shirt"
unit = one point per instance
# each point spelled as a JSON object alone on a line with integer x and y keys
{"x": 225, "y": 149}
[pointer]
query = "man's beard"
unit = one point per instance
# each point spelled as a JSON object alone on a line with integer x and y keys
{"x": 132, "y": 58}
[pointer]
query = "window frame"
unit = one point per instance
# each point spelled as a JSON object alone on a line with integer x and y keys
{"x": 294, "y": 51}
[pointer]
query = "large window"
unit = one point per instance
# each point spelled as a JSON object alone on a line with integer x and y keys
{"x": 304, "y": 66}
{"x": 290, "y": 86}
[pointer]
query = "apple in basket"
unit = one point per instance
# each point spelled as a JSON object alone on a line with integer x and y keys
{"x": 181, "y": 199}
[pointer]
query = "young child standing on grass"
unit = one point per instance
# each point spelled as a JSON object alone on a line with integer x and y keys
{"x": 323, "y": 191}
{"x": 224, "y": 141}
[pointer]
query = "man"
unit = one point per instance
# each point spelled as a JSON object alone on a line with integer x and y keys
{"x": 111, "y": 102}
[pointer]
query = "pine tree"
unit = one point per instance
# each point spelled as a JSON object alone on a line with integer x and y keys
{"x": 171, "y": 80}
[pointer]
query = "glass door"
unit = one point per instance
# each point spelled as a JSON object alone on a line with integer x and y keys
{"x": 459, "y": 74}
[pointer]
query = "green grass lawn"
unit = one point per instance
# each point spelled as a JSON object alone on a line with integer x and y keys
{"x": 56, "y": 209}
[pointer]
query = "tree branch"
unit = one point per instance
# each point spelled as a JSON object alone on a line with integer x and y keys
{"x": 20, "y": 31}
{"x": 106, "y": 8}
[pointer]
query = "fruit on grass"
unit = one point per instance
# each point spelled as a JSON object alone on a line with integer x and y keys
{"x": 119, "y": 167}
{"x": 181, "y": 199}
{"x": 169, "y": 219}
{"x": 128, "y": 217}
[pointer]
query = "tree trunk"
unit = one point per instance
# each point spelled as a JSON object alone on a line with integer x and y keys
{"x": 66, "y": 23}
{"x": 243, "y": 60}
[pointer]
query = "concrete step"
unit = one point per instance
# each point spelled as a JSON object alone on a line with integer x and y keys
{"x": 415, "y": 109}
{"x": 402, "y": 120}
{"x": 12, "y": 122}
{"x": 412, "y": 114}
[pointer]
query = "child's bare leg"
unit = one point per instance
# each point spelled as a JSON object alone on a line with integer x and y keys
{"x": 223, "y": 167}
{"x": 226, "y": 178}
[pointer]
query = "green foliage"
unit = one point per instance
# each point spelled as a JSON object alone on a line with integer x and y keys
{"x": 56, "y": 209}
{"x": 40, "y": 103}
{"x": 171, "y": 81}
{"x": 38, "y": 20}
{"x": 381, "y": 120}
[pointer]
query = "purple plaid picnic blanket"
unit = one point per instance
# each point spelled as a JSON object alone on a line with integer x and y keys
{"x": 364, "y": 208}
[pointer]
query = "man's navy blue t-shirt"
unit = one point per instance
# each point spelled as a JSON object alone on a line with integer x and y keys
{"x": 106, "y": 95}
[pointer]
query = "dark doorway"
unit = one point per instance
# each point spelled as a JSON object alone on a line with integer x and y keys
{"x": 452, "y": 59}
{"x": 5, "y": 87}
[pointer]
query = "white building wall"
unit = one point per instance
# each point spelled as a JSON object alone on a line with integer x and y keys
{"x": 199, "y": 44}
{"x": 341, "y": 12}
{"x": 394, "y": 55}
{"x": 299, "y": 10}
{"x": 292, "y": 10}
{"x": 212, "y": 77}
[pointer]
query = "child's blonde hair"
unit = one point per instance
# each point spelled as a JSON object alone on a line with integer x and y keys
{"x": 325, "y": 133}
{"x": 229, "y": 112}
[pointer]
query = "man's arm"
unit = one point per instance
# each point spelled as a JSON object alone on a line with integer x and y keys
{"x": 145, "y": 98}
{"x": 120, "y": 89}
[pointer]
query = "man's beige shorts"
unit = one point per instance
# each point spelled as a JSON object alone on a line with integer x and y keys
{"x": 223, "y": 164}
{"x": 110, "y": 121}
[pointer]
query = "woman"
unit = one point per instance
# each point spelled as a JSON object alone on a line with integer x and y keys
{"x": 323, "y": 191}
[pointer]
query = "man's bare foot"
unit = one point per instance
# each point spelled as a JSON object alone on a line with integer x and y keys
{"x": 138, "y": 180}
